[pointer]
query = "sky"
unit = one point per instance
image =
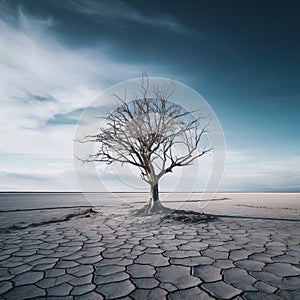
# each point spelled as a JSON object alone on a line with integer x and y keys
{"x": 241, "y": 56}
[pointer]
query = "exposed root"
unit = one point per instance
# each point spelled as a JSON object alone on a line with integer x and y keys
{"x": 152, "y": 208}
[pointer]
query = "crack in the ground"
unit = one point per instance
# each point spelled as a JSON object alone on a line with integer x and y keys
{"x": 68, "y": 217}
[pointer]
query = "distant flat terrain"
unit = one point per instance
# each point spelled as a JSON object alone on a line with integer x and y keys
{"x": 18, "y": 208}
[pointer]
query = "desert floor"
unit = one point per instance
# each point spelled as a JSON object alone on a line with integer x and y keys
{"x": 248, "y": 249}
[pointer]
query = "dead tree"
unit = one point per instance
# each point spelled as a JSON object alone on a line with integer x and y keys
{"x": 151, "y": 133}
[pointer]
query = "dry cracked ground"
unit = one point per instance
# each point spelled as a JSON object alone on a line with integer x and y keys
{"x": 95, "y": 257}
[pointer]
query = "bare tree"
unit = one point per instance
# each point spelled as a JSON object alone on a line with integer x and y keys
{"x": 153, "y": 134}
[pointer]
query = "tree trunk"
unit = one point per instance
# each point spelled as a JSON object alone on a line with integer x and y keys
{"x": 154, "y": 193}
{"x": 154, "y": 205}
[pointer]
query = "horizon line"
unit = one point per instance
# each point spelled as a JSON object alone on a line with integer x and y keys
{"x": 134, "y": 192}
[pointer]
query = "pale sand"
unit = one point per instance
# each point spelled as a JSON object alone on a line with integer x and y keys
{"x": 32, "y": 210}
{"x": 271, "y": 205}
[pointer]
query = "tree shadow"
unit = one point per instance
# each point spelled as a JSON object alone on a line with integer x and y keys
{"x": 256, "y": 218}
{"x": 188, "y": 216}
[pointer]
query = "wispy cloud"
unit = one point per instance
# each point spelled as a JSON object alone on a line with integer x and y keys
{"x": 29, "y": 180}
{"x": 71, "y": 117}
{"x": 24, "y": 171}
{"x": 247, "y": 171}
{"x": 42, "y": 79}
{"x": 24, "y": 175}
{"x": 122, "y": 12}
{"x": 244, "y": 172}
{"x": 43, "y": 84}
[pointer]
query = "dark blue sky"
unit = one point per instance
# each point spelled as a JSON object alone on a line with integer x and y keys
{"x": 241, "y": 56}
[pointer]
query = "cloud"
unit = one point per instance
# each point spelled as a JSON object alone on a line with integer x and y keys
{"x": 247, "y": 171}
{"x": 121, "y": 12}
{"x": 43, "y": 82}
{"x": 44, "y": 87}
{"x": 36, "y": 172}
{"x": 34, "y": 64}
{"x": 68, "y": 118}
{"x": 28, "y": 180}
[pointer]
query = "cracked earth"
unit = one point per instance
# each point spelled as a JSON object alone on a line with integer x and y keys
{"x": 92, "y": 256}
